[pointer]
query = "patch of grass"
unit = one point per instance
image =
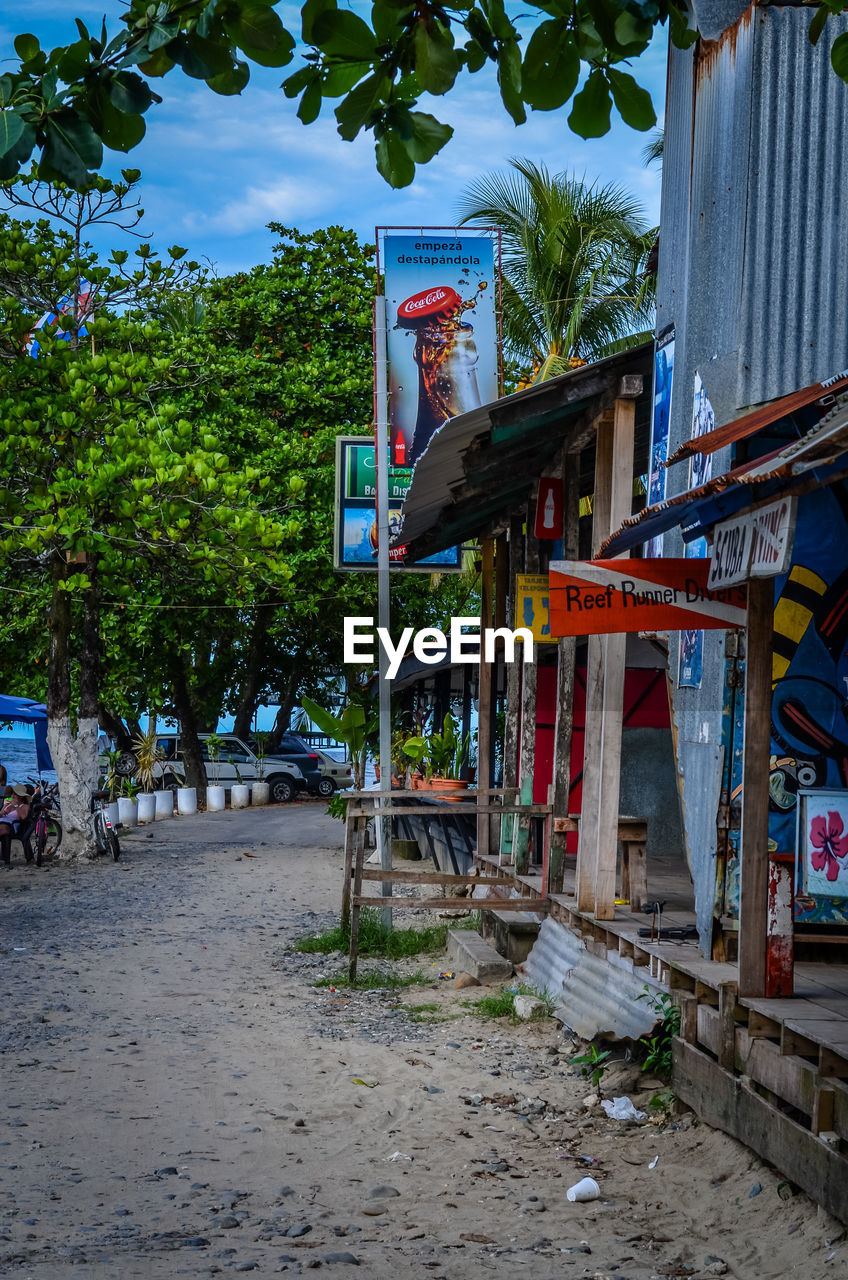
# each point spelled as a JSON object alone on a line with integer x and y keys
{"x": 432, "y": 1007}
{"x": 376, "y": 940}
{"x": 502, "y": 1004}
{"x": 374, "y": 980}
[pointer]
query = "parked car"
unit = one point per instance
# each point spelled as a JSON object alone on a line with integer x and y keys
{"x": 297, "y": 751}
{"x": 236, "y": 761}
{"x": 335, "y": 774}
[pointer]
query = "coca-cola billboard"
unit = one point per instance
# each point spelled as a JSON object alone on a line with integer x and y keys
{"x": 441, "y": 292}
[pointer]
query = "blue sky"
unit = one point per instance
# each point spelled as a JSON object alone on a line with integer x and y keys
{"x": 216, "y": 170}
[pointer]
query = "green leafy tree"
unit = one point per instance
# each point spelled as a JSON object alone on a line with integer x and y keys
{"x": 109, "y": 494}
{"x": 66, "y": 105}
{"x": 575, "y": 287}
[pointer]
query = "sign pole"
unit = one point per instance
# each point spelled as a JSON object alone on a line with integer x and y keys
{"x": 381, "y": 456}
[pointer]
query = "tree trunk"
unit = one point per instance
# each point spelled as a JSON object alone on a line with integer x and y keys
{"x": 195, "y": 770}
{"x": 288, "y": 696}
{"x": 74, "y": 754}
{"x": 115, "y": 727}
{"x": 251, "y": 683}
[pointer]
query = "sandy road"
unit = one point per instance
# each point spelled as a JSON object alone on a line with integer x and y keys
{"x": 179, "y": 1099}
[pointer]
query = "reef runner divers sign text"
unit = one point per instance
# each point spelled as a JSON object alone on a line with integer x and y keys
{"x": 431, "y": 645}
{"x": 596, "y": 597}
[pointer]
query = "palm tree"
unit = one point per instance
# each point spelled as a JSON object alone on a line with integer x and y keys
{"x": 574, "y": 284}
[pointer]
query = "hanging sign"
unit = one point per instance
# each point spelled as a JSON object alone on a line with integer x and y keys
{"x": 355, "y": 534}
{"x": 756, "y": 545}
{"x": 598, "y": 597}
{"x": 548, "y": 508}
{"x": 442, "y": 339}
{"x": 532, "y": 606}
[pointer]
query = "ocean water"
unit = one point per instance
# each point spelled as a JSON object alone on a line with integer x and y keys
{"x": 17, "y": 753}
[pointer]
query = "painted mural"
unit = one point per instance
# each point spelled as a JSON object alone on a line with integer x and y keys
{"x": 808, "y": 780}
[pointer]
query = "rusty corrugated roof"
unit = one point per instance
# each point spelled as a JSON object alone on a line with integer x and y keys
{"x": 821, "y": 447}
{"x": 750, "y": 423}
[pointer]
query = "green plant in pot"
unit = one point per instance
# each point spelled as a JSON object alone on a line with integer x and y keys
{"x": 148, "y": 756}
{"x": 112, "y": 779}
{"x": 417, "y": 749}
{"x": 214, "y": 746}
{"x": 448, "y": 754}
{"x": 261, "y": 750}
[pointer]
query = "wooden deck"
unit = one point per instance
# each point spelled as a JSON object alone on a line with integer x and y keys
{"x": 771, "y": 1072}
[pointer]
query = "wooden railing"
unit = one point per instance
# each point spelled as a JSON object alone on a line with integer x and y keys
{"x": 364, "y": 805}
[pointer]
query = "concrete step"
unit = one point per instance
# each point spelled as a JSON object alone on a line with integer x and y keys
{"x": 469, "y": 953}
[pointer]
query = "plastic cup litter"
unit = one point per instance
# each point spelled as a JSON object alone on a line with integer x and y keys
{"x": 585, "y": 1189}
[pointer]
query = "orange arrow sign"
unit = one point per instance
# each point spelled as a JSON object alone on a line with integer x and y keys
{"x": 596, "y": 597}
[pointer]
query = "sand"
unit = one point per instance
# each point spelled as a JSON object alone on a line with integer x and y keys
{"x": 179, "y": 1099}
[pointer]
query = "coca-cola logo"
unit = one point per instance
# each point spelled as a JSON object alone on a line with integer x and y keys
{"x": 431, "y": 302}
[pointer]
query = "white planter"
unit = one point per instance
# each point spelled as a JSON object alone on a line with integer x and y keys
{"x": 216, "y": 798}
{"x": 260, "y": 793}
{"x": 239, "y": 795}
{"x": 187, "y": 801}
{"x": 164, "y": 804}
{"x": 127, "y": 812}
{"x": 146, "y": 807}
{"x": 114, "y": 812}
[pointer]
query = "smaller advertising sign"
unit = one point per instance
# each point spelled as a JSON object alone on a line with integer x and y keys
{"x": 355, "y": 536}
{"x": 600, "y": 597}
{"x": 532, "y": 606}
{"x": 756, "y": 545}
{"x": 663, "y": 377}
{"x": 549, "y": 508}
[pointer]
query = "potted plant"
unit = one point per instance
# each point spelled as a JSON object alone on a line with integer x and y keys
{"x": 111, "y": 784}
{"x": 448, "y": 755}
{"x": 417, "y": 749}
{"x": 127, "y": 807}
{"x": 216, "y": 795}
{"x": 260, "y": 791}
{"x": 239, "y": 791}
{"x": 152, "y": 804}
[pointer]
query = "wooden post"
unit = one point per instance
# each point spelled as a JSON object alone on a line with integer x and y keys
{"x": 513, "y": 689}
{"x": 621, "y": 505}
{"x": 753, "y": 889}
{"x": 527, "y": 756}
{"x": 566, "y": 651}
{"x": 587, "y": 847}
{"x": 348, "y": 866}
{"x": 484, "y": 722}
{"x": 359, "y": 856}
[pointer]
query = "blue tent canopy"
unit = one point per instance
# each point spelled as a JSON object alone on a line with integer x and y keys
{"x": 25, "y": 711}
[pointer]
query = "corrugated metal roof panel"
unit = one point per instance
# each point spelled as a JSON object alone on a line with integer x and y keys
{"x": 820, "y": 448}
{"x": 750, "y": 423}
{"x": 480, "y": 464}
{"x": 793, "y": 324}
{"x": 594, "y": 995}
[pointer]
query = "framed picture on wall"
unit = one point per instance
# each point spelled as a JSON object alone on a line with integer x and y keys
{"x": 823, "y": 843}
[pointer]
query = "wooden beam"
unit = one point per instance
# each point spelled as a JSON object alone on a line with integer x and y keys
{"x": 566, "y": 653}
{"x": 753, "y": 895}
{"x": 434, "y": 877}
{"x": 513, "y": 688}
{"x": 621, "y": 504}
{"x": 527, "y": 751}
{"x": 587, "y": 846}
{"x": 484, "y": 722}
{"x": 458, "y": 904}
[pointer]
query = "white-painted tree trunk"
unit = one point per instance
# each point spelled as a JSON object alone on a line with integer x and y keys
{"x": 75, "y": 762}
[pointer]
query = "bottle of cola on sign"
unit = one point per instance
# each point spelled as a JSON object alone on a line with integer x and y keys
{"x": 446, "y": 355}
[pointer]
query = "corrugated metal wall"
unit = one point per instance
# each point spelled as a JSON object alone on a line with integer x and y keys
{"x": 753, "y": 275}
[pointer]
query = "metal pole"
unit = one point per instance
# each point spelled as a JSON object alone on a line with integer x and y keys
{"x": 381, "y": 457}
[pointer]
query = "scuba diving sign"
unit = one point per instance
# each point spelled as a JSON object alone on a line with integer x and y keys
{"x": 600, "y": 597}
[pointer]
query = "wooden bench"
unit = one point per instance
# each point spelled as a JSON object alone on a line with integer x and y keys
{"x": 633, "y": 838}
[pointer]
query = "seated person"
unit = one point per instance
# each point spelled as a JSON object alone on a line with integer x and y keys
{"x": 13, "y": 812}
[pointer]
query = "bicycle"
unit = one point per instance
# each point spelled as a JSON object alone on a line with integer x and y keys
{"x": 44, "y": 834}
{"x": 105, "y": 837}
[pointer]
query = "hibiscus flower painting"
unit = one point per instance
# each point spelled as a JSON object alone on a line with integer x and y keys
{"x": 827, "y": 845}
